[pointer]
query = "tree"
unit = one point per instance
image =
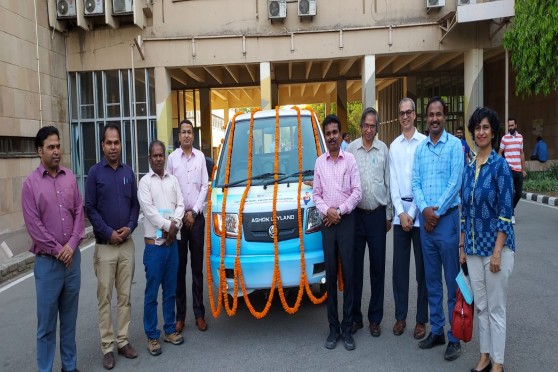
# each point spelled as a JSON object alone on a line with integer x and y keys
{"x": 532, "y": 39}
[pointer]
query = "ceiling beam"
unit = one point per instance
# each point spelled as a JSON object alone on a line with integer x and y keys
{"x": 326, "y": 65}
{"x": 384, "y": 62}
{"x": 403, "y": 61}
{"x": 345, "y": 65}
{"x": 218, "y": 93}
{"x": 216, "y": 73}
{"x": 290, "y": 66}
{"x": 233, "y": 71}
{"x": 308, "y": 69}
{"x": 198, "y": 76}
{"x": 422, "y": 61}
{"x": 443, "y": 59}
{"x": 252, "y": 71}
{"x": 174, "y": 74}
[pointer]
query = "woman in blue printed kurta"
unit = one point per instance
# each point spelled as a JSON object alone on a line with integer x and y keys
{"x": 487, "y": 240}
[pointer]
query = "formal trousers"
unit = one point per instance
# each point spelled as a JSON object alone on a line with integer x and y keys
{"x": 114, "y": 267}
{"x": 161, "y": 266}
{"x": 440, "y": 249}
{"x": 191, "y": 240}
{"x": 370, "y": 228}
{"x": 400, "y": 274}
{"x": 517, "y": 187}
{"x": 490, "y": 293}
{"x": 57, "y": 288}
{"x": 338, "y": 244}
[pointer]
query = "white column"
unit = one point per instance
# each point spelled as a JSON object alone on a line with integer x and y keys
{"x": 369, "y": 81}
{"x": 265, "y": 86}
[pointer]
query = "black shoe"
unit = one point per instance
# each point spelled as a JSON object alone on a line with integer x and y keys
{"x": 356, "y": 326}
{"x": 331, "y": 341}
{"x": 485, "y": 369}
{"x": 348, "y": 341}
{"x": 432, "y": 340}
{"x": 453, "y": 351}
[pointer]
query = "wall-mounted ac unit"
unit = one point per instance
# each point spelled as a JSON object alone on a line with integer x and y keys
{"x": 435, "y": 3}
{"x": 94, "y": 7}
{"x": 276, "y": 9}
{"x": 122, "y": 7}
{"x": 466, "y": 2}
{"x": 65, "y": 9}
{"x": 306, "y": 8}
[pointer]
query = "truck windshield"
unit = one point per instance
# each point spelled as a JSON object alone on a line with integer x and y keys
{"x": 263, "y": 151}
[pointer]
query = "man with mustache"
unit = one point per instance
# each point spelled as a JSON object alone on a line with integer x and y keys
{"x": 53, "y": 213}
{"x": 511, "y": 147}
{"x": 336, "y": 194}
{"x": 111, "y": 203}
{"x": 436, "y": 182}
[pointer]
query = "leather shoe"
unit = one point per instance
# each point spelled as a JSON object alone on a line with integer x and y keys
{"x": 375, "y": 330}
{"x": 432, "y": 340}
{"x": 108, "y": 360}
{"x": 356, "y": 326}
{"x": 420, "y": 331}
{"x": 179, "y": 326}
{"x": 128, "y": 352}
{"x": 348, "y": 341}
{"x": 399, "y": 327}
{"x": 453, "y": 351}
{"x": 202, "y": 325}
{"x": 331, "y": 341}
{"x": 485, "y": 369}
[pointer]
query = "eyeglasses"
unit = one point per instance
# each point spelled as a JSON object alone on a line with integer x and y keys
{"x": 369, "y": 127}
{"x": 402, "y": 114}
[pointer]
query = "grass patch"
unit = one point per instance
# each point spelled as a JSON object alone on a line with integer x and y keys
{"x": 545, "y": 182}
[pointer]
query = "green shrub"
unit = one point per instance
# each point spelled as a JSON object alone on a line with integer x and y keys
{"x": 542, "y": 182}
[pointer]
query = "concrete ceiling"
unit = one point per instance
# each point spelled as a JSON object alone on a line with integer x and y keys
{"x": 234, "y": 86}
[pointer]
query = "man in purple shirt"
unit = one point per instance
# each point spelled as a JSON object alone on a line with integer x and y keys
{"x": 336, "y": 194}
{"x": 112, "y": 206}
{"x": 188, "y": 165}
{"x": 53, "y": 213}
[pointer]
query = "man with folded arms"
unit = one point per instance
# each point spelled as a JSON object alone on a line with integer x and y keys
{"x": 53, "y": 213}
{"x": 163, "y": 208}
{"x": 437, "y": 173}
{"x": 406, "y": 223}
{"x": 112, "y": 206}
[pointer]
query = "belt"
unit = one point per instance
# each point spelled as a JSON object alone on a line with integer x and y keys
{"x": 449, "y": 211}
{"x": 407, "y": 199}
{"x": 367, "y": 211}
{"x": 151, "y": 241}
{"x": 46, "y": 255}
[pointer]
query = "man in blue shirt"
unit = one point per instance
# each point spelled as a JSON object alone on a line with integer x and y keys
{"x": 466, "y": 149}
{"x": 112, "y": 207}
{"x": 436, "y": 181}
{"x": 540, "y": 152}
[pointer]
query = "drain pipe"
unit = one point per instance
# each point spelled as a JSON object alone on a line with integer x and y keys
{"x": 38, "y": 64}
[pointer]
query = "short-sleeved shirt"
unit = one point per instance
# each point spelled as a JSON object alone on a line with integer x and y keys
{"x": 511, "y": 145}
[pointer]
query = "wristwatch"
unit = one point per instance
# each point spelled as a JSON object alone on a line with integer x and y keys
{"x": 194, "y": 213}
{"x": 339, "y": 211}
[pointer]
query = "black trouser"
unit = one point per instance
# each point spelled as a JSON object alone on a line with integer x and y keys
{"x": 337, "y": 241}
{"x": 191, "y": 239}
{"x": 401, "y": 262}
{"x": 517, "y": 187}
{"x": 370, "y": 227}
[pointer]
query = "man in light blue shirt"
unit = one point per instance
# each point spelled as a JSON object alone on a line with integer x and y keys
{"x": 436, "y": 181}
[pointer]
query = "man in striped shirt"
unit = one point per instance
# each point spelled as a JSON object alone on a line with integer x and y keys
{"x": 336, "y": 194}
{"x": 511, "y": 147}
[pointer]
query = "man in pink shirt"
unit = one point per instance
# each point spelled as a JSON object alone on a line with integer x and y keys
{"x": 336, "y": 193}
{"x": 188, "y": 165}
{"x": 53, "y": 213}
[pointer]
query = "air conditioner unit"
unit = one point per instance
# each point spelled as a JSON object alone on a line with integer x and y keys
{"x": 435, "y": 3}
{"x": 306, "y": 8}
{"x": 466, "y": 2}
{"x": 122, "y": 7}
{"x": 66, "y": 9}
{"x": 94, "y": 7}
{"x": 276, "y": 9}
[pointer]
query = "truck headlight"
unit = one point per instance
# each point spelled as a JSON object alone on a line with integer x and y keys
{"x": 313, "y": 220}
{"x": 230, "y": 225}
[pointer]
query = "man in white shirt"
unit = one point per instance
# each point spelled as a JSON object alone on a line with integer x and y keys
{"x": 405, "y": 222}
{"x": 162, "y": 203}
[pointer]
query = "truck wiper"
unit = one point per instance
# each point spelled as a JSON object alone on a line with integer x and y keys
{"x": 262, "y": 176}
{"x": 304, "y": 173}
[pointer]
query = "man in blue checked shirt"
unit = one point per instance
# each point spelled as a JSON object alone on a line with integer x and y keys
{"x": 436, "y": 181}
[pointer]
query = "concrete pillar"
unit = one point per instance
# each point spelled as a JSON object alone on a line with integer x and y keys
{"x": 274, "y": 95}
{"x": 205, "y": 118}
{"x": 163, "y": 97}
{"x": 265, "y": 86}
{"x": 342, "y": 104}
{"x": 474, "y": 86}
{"x": 369, "y": 81}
